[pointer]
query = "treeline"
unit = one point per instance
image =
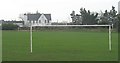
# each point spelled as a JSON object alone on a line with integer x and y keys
{"x": 9, "y": 27}
{"x": 86, "y": 17}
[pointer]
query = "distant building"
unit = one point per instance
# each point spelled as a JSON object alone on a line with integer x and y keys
{"x": 119, "y": 7}
{"x": 36, "y": 19}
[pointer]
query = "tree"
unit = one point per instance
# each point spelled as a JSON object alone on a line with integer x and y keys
{"x": 109, "y": 17}
{"x": 104, "y": 19}
{"x": 88, "y": 17}
{"x": 118, "y": 16}
{"x": 76, "y": 19}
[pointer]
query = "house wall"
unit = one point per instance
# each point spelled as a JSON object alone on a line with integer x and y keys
{"x": 35, "y": 23}
{"x": 43, "y": 20}
{"x": 24, "y": 18}
{"x": 19, "y": 24}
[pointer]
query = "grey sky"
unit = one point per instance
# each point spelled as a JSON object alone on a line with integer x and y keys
{"x": 59, "y": 9}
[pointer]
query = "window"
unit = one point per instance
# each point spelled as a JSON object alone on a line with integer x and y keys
{"x": 39, "y": 21}
{"x": 48, "y": 21}
{"x": 45, "y": 21}
{"x": 36, "y": 21}
{"x": 33, "y": 22}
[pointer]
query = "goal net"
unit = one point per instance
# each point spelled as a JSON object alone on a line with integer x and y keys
{"x": 70, "y": 28}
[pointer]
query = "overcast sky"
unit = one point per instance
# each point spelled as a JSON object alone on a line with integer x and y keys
{"x": 59, "y": 9}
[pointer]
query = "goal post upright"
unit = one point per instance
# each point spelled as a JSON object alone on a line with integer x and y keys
{"x": 110, "y": 39}
{"x": 31, "y": 38}
{"x": 109, "y": 35}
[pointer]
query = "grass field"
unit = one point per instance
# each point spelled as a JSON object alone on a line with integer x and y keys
{"x": 59, "y": 46}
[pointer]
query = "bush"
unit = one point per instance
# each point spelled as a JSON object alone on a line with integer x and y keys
{"x": 9, "y": 27}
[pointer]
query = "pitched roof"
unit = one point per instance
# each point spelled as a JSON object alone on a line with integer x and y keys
{"x": 48, "y": 16}
{"x": 35, "y": 17}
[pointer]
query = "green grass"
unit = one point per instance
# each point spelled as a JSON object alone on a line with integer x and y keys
{"x": 59, "y": 46}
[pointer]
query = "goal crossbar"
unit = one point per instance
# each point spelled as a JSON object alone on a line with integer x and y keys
{"x": 110, "y": 44}
{"x": 69, "y": 25}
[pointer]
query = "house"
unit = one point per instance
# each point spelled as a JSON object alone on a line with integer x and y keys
{"x": 36, "y": 19}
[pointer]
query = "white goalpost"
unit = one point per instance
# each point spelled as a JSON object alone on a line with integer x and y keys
{"x": 31, "y": 38}
{"x": 109, "y": 43}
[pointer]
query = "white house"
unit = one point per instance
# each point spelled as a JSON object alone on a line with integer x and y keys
{"x": 36, "y": 19}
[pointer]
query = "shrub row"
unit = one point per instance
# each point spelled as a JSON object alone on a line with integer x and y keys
{"x": 9, "y": 27}
{"x": 65, "y": 28}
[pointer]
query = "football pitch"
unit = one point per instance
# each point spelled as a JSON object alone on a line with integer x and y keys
{"x": 59, "y": 46}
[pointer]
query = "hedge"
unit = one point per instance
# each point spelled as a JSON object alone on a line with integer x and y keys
{"x": 9, "y": 27}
